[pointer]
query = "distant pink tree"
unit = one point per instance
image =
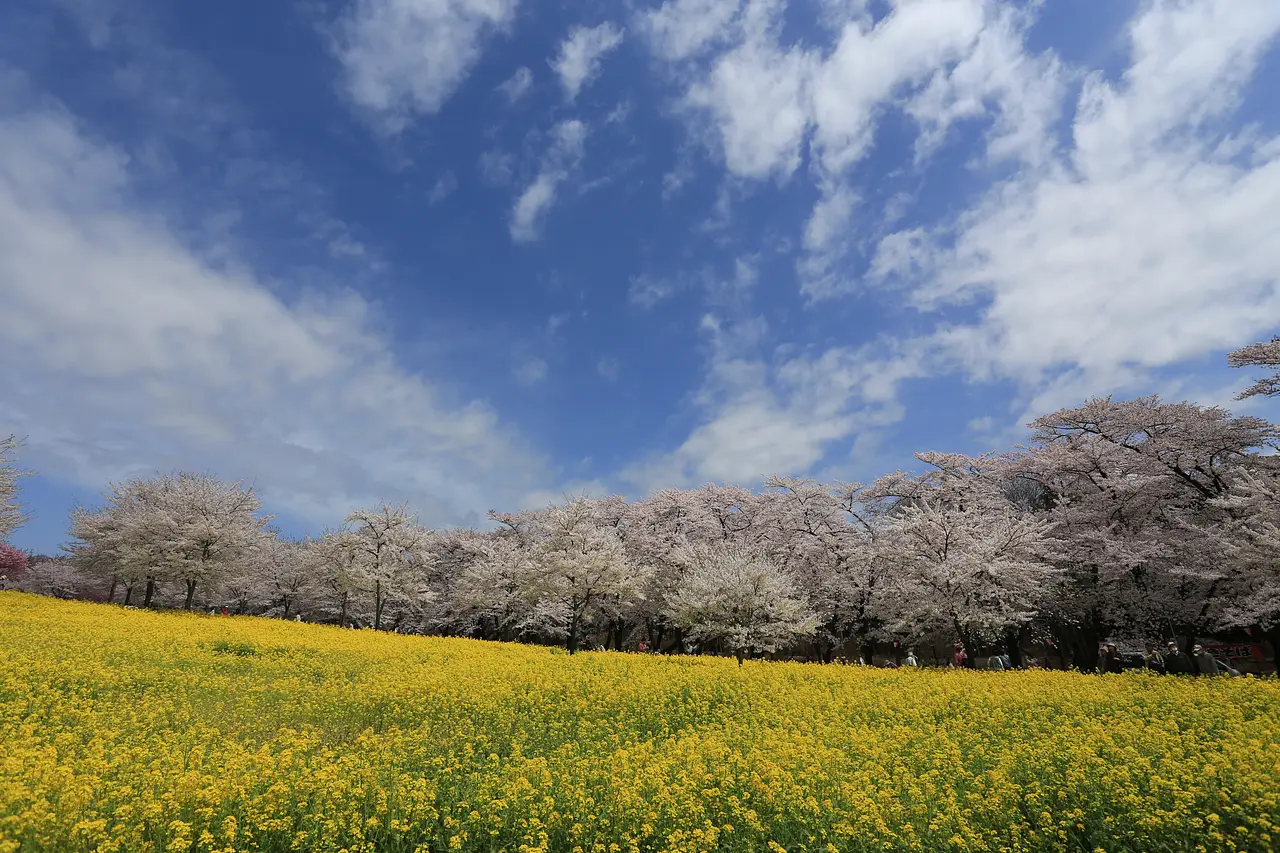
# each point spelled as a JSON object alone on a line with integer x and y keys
{"x": 1259, "y": 355}
{"x": 12, "y": 562}
{"x": 1132, "y": 485}
{"x": 962, "y": 556}
{"x": 825, "y": 538}
{"x": 11, "y": 515}
{"x": 1250, "y": 540}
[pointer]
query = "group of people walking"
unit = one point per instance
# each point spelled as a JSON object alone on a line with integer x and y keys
{"x": 1171, "y": 661}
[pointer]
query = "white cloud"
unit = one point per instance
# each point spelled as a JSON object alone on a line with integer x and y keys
{"x": 581, "y": 53}
{"x": 904, "y": 256}
{"x": 826, "y": 238}
{"x": 531, "y": 371}
{"x": 870, "y": 64}
{"x": 680, "y": 29}
{"x": 125, "y": 353}
{"x": 778, "y": 416}
{"x": 763, "y": 104}
{"x": 496, "y": 168}
{"x": 404, "y": 58}
{"x": 647, "y": 291}
{"x": 517, "y": 85}
{"x": 997, "y": 76}
{"x": 563, "y": 155}
{"x": 1144, "y": 245}
{"x": 444, "y": 187}
{"x": 756, "y": 96}
{"x": 608, "y": 368}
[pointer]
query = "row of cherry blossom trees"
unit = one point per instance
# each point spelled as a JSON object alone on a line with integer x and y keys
{"x": 1133, "y": 518}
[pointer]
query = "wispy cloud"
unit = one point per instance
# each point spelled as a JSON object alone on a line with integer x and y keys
{"x": 1090, "y": 263}
{"x": 405, "y": 58}
{"x": 531, "y": 371}
{"x": 173, "y": 362}
{"x": 444, "y": 187}
{"x": 581, "y": 54}
{"x": 517, "y": 85}
{"x": 765, "y": 415}
{"x": 646, "y": 291}
{"x": 608, "y": 368}
{"x": 562, "y": 156}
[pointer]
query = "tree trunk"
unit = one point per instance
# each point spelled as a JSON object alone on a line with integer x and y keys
{"x": 342, "y": 619}
{"x": 191, "y": 595}
{"x": 111, "y": 592}
{"x": 740, "y": 655}
{"x": 151, "y": 591}
{"x": 377, "y": 605}
{"x": 128, "y": 594}
{"x": 571, "y": 642}
{"x": 860, "y": 643}
{"x": 1272, "y": 637}
{"x": 1013, "y": 645}
{"x": 1083, "y": 641}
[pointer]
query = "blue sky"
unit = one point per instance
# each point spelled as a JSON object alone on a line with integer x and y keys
{"x": 477, "y": 254}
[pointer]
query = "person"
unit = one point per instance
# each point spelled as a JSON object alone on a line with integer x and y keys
{"x": 297, "y": 617}
{"x": 1006, "y": 660}
{"x": 911, "y": 659}
{"x": 223, "y": 611}
{"x": 1111, "y": 661}
{"x": 959, "y": 659}
{"x": 1175, "y": 661}
{"x": 995, "y": 662}
{"x": 643, "y": 647}
{"x": 1203, "y": 662}
{"x": 1153, "y": 660}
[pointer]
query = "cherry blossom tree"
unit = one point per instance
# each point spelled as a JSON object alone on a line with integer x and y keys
{"x": 283, "y": 573}
{"x": 171, "y": 527}
{"x": 962, "y": 556}
{"x": 1250, "y": 542}
{"x": 391, "y": 557}
{"x": 12, "y": 562}
{"x": 1259, "y": 355}
{"x": 334, "y": 557}
{"x": 580, "y": 565}
{"x": 825, "y": 538}
{"x": 11, "y": 514}
{"x": 1133, "y": 485}
{"x": 54, "y": 578}
{"x": 661, "y": 527}
{"x": 209, "y": 525}
{"x": 733, "y": 594}
{"x": 118, "y": 542}
{"x": 489, "y": 593}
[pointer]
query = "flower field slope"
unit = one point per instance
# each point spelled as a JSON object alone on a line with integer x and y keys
{"x": 129, "y": 730}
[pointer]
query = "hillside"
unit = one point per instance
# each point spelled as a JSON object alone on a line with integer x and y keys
{"x": 138, "y": 731}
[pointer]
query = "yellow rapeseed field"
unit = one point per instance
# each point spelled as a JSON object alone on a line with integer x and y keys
{"x": 131, "y": 731}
